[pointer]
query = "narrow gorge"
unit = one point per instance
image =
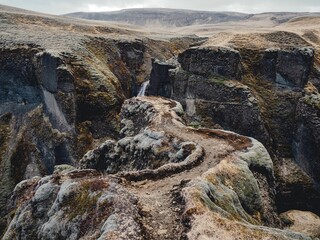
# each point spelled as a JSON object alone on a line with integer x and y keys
{"x": 111, "y": 132}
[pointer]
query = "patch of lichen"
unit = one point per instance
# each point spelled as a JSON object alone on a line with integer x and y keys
{"x": 225, "y": 205}
{"x": 312, "y": 100}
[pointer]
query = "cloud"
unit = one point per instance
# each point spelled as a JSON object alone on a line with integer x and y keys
{"x": 249, "y": 6}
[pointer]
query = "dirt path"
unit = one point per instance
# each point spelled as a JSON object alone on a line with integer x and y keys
{"x": 161, "y": 206}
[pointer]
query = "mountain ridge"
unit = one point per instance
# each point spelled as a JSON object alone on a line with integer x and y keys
{"x": 183, "y": 17}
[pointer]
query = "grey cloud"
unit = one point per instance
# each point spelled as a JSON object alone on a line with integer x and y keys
{"x": 249, "y": 6}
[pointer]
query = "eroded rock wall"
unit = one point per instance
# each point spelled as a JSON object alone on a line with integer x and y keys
{"x": 261, "y": 93}
{"x": 55, "y": 105}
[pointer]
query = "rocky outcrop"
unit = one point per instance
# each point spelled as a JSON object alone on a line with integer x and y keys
{"x": 218, "y": 102}
{"x": 289, "y": 67}
{"x": 145, "y": 146}
{"x": 214, "y": 207}
{"x": 210, "y": 98}
{"x": 278, "y": 76}
{"x": 228, "y": 202}
{"x": 280, "y": 101}
{"x": 160, "y": 84}
{"x": 212, "y": 61}
{"x": 72, "y": 204}
{"x": 238, "y": 189}
{"x": 200, "y": 85}
{"x": 38, "y": 126}
{"x": 232, "y": 201}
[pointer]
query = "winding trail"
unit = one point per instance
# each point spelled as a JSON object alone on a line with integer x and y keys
{"x": 159, "y": 201}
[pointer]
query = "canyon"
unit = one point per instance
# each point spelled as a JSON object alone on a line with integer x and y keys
{"x": 113, "y": 131}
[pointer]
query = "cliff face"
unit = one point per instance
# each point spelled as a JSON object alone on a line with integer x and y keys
{"x": 163, "y": 169}
{"x": 236, "y": 91}
{"x": 258, "y": 92}
{"x": 306, "y": 140}
{"x": 62, "y": 87}
{"x": 220, "y": 185}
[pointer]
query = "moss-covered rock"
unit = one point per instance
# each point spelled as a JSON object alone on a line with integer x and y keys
{"x": 72, "y": 205}
{"x": 230, "y": 201}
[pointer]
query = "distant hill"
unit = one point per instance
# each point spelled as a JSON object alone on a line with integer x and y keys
{"x": 181, "y": 18}
{"x": 9, "y": 9}
{"x": 164, "y": 17}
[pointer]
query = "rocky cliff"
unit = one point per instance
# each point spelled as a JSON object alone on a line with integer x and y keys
{"x": 62, "y": 87}
{"x": 217, "y": 184}
{"x": 233, "y": 153}
{"x": 265, "y": 93}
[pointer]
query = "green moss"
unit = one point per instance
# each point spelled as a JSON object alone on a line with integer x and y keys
{"x": 195, "y": 125}
{"x": 217, "y": 79}
{"x": 213, "y": 79}
{"x": 82, "y": 202}
{"x": 313, "y": 100}
{"x": 85, "y": 199}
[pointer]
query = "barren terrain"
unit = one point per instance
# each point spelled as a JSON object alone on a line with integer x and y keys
{"x": 70, "y": 82}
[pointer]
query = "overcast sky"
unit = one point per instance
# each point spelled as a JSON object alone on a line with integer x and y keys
{"x": 247, "y": 6}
